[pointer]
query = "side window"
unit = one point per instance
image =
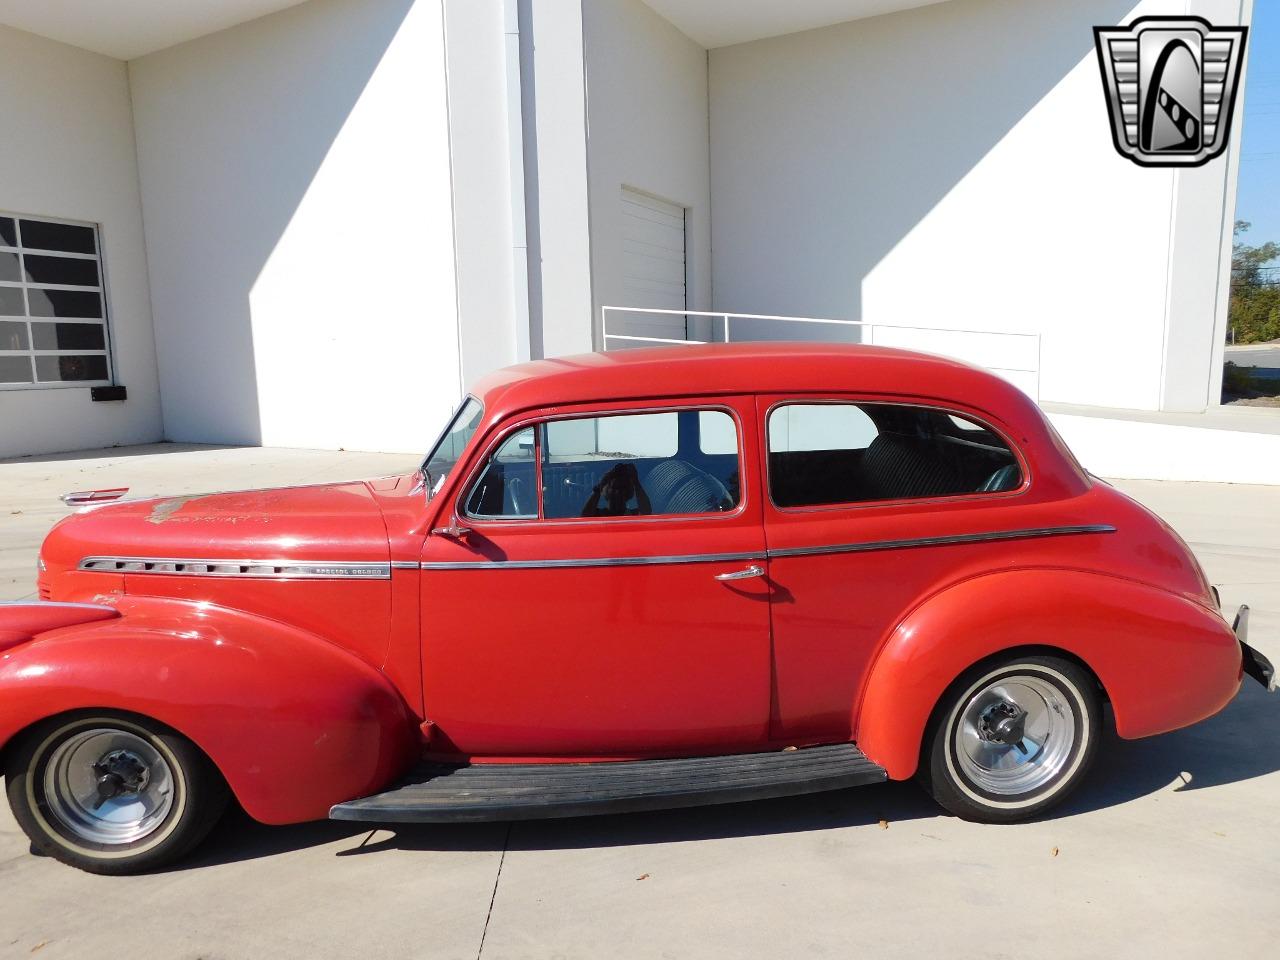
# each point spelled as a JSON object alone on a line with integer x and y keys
{"x": 508, "y": 487}
{"x": 827, "y": 453}
{"x": 673, "y": 462}
{"x": 647, "y": 464}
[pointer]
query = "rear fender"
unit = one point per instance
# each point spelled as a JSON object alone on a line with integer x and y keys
{"x": 294, "y": 723}
{"x": 1163, "y": 660}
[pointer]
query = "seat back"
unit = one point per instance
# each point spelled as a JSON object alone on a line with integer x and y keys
{"x": 896, "y": 467}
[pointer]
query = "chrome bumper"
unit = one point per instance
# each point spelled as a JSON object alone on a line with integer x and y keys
{"x": 1255, "y": 664}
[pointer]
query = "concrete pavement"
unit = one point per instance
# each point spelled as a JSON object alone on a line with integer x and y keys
{"x": 1169, "y": 849}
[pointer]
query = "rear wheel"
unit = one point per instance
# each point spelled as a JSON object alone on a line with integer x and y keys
{"x": 112, "y": 793}
{"x": 1012, "y": 739}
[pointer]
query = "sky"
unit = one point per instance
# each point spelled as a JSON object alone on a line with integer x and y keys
{"x": 1258, "y": 199}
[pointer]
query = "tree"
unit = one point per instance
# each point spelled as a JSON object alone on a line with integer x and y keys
{"x": 1255, "y": 302}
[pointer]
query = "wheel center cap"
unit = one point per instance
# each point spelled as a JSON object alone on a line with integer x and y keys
{"x": 120, "y": 772}
{"x": 1003, "y": 722}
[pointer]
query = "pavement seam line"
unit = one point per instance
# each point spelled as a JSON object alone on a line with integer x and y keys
{"x": 506, "y": 842}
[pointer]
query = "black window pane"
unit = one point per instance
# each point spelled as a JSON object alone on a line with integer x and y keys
{"x": 856, "y": 453}
{"x": 39, "y": 235}
{"x": 13, "y": 336}
{"x": 15, "y": 370}
{"x": 11, "y": 302}
{"x": 8, "y": 232}
{"x": 68, "y": 336}
{"x": 68, "y": 369}
{"x": 64, "y": 303}
{"x": 9, "y": 267}
{"x": 42, "y": 269}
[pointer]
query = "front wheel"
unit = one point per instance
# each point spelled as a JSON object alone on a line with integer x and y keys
{"x": 112, "y": 793}
{"x": 1011, "y": 739}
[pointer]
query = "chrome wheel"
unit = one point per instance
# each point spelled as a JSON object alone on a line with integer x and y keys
{"x": 1011, "y": 739}
{"x": 1014, "y": 735}
{"x": 108, "y": 787}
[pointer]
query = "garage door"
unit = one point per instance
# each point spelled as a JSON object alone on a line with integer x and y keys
{"x": 653, "y": 254}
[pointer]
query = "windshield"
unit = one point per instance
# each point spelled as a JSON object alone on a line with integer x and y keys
{"x": 440, "y": 461}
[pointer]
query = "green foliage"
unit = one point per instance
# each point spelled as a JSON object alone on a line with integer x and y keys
{"x": 1255, "y": 301}
{"x": 1236, "y": 379}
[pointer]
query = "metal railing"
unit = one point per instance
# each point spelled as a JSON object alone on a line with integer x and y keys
{"x": 1013, "y": 355}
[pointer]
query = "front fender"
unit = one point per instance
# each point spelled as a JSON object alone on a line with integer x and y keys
{"x": 1163, "y": 660}
{"x": 294, "y": 723}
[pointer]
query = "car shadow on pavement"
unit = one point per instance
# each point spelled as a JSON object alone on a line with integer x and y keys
{"x": 1241, "y": 743}
{"x": 238, "y": 838}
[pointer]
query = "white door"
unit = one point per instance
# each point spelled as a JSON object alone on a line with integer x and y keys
{"x": 653, "y": 262}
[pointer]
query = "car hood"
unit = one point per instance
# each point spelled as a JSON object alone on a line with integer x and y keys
{"x": 331, "y": 523}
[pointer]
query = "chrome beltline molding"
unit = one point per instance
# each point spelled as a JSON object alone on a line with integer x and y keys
{"x": 348, "y": 570}
{"x": 249, "y": 569}
{"x": 594, "y": 562}
{"x": 866, "y": 546}
{"x": 947, "y": 540}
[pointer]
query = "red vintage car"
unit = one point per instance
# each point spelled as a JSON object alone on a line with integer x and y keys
{"x": 620, "y": 581}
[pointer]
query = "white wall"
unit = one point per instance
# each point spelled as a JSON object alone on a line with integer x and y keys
{"x": 555, "y": 128}
{"x": 296, "y": 189}
{"x": 647, "y": 123}
{"x": 952, "y": 166}
{"x": 488, "y": 251}
{"x": 1203, "y": 215}
{"x": 67, "y": 151}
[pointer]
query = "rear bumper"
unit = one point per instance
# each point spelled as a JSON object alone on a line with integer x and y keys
{"x": 1255, "y": 664}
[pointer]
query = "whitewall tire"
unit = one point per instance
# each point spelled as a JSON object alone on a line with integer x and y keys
{"x": 112, "y": 793}
{"x": 1012, "y": 738}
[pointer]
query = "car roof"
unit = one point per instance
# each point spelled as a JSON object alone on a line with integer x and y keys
{"x": 707, "y": 370}
{"x": 744, "y": 368}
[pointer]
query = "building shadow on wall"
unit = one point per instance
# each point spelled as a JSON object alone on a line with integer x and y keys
{"x": 232, "y": 130}
{"x": 799, "y": 228}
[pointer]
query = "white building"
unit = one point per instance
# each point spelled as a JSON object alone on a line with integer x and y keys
{"x": 316, "y": 222}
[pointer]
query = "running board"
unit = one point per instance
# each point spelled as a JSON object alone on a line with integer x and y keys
{"x": 443, "y": 793}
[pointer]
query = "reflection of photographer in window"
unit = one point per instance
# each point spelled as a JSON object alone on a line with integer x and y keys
{"x": 615, "y": 489}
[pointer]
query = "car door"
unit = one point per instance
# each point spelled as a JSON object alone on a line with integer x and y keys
{"x": 604, "y": 596}
{"x": 871, "y": 505}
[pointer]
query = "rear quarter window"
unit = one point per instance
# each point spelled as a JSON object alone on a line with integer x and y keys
{"x": 837, "y": 453}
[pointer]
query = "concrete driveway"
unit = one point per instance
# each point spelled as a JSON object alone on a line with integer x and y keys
{"x": 1171, "y": 849}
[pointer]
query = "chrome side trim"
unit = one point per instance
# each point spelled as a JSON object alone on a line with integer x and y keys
{"x": 941, "y": 541}
{"x": 250, "y": 569}
{"x": 308, "y": 570}
{"x": 594, "y": 562}
{"x": 867, "y": 546}
{"x": 62, "y": 605}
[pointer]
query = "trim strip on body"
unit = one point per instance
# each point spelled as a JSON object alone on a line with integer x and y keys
{"x": 863, "y": 547}
{"x": 942, "y": 541}
{"x": 594, "y": 562}
{"x": 253, "y": 569}
{"x": 308, "y": 570}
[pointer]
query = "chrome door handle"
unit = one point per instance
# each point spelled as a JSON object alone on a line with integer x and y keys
{"x": 755, "y": 570}
{"x": 455, "y": 532}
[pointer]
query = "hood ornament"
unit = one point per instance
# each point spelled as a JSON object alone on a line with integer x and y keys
{"x": 84, "y": 498}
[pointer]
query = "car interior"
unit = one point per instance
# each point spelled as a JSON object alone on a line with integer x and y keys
{"x": 611, "y": 483}
{"x": 916, "y": 452}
